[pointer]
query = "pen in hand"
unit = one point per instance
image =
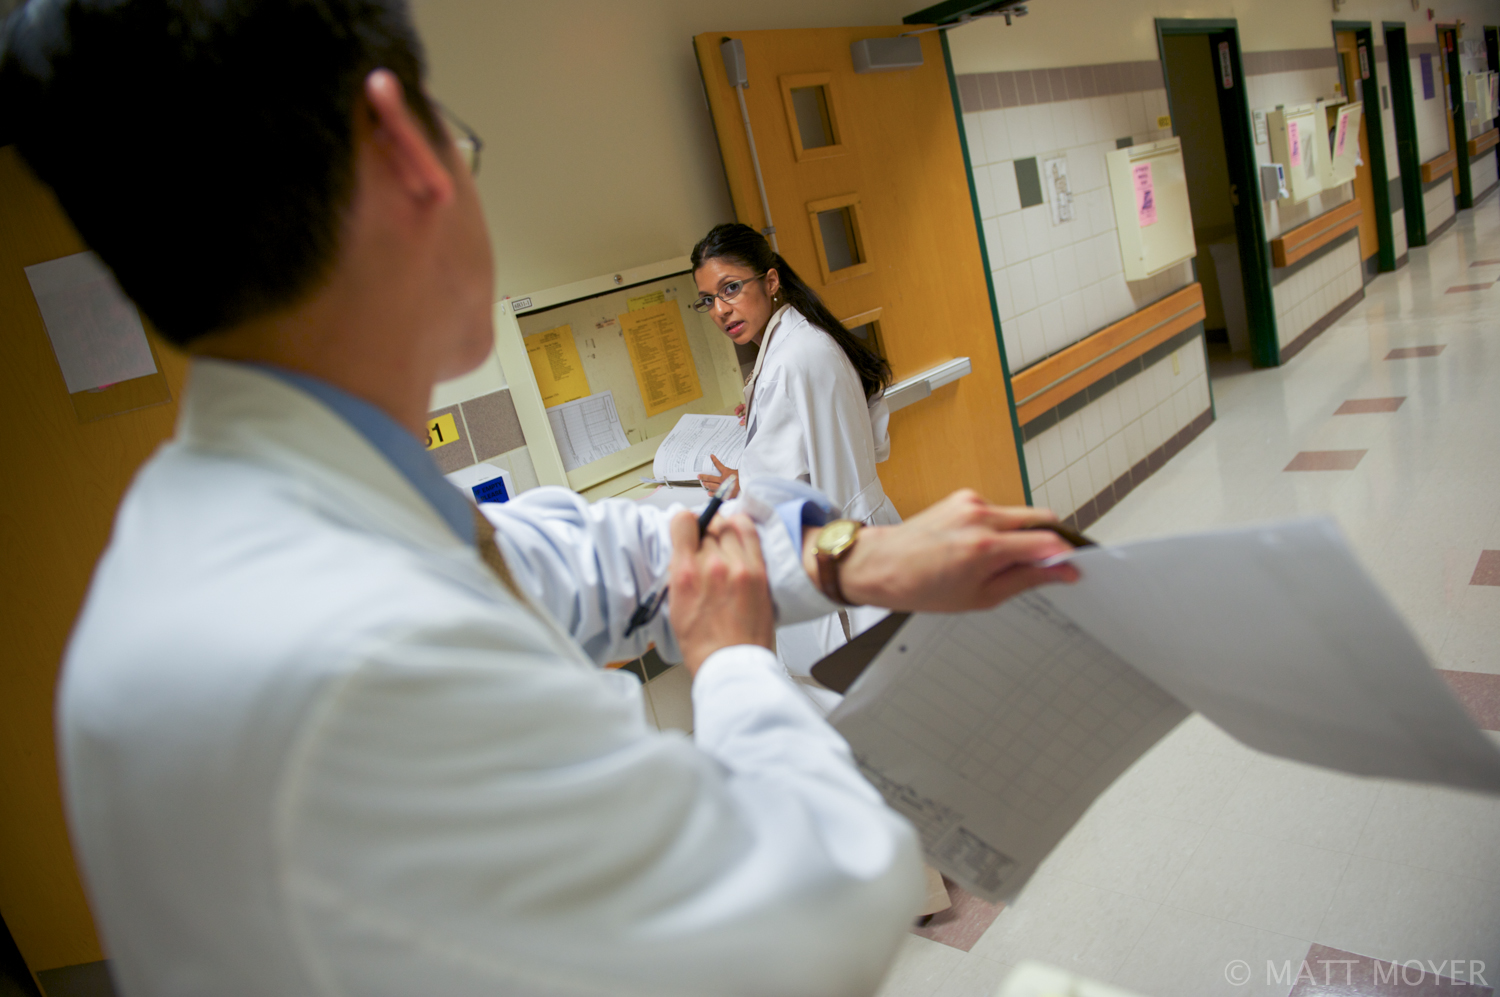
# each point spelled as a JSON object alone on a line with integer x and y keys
{"x": 645, "y": 612}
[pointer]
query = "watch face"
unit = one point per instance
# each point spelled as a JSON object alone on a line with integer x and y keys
{"x": 837, "y": 537}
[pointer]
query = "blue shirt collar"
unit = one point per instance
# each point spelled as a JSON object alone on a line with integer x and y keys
{"x": 396, "y": 444}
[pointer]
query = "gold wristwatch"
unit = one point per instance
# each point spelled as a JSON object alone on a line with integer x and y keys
{"x": 833, "y": 544}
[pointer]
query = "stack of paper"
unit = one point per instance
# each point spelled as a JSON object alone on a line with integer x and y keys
{"x": 685, "y": 453}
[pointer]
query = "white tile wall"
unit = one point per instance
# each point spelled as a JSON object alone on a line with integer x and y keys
{"x": 1076, "y": 459}
{"x": 1482, "y": 173}
{"x": 1316, "y": 290}
{"x": 1057, "y": 284}
{"x": 1398, "y": 231}
{"x": 1440, "y": 205}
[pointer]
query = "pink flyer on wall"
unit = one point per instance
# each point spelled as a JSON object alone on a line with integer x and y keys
{"x": 1338, "y": 143}
{"x": 1145, "y": 195}
{"x": 1294, "y": 143}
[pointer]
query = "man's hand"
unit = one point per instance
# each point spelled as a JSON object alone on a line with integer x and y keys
{"x": 720, "y": 596}
{"x": 962, "y": 553}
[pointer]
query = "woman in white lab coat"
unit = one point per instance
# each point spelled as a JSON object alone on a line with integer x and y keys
{"x": 814, "y": 406}
{"x": 814, "y": 411}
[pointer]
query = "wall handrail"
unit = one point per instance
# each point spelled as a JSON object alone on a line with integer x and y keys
{"x": 1054, "y": 380}
{"x": 1306, "y": 239}
{"x": 1486, "y": 140}
{"x": 1439, "y": 166}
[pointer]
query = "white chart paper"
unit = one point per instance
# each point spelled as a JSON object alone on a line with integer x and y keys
{"x": 96, "y": 332}
{"x": 1277, "y": 635}
{"x": 684, "y": 454}
{"x": 586, "y": 429}
{"x": 993, "y": 731}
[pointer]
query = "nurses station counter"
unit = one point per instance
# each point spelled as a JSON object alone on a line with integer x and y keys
{"x": 585, "y": 382}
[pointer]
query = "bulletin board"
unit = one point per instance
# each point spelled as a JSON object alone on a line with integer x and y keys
{"x": 636, "y": 337}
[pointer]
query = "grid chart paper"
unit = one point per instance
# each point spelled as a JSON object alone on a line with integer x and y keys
{"x": 1029, "y": 718}
{"x": 586, "y": 430}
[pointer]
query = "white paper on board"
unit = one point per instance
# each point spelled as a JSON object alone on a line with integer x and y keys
{"x": 95, "y": 330}
{"x": 587, "y": 429}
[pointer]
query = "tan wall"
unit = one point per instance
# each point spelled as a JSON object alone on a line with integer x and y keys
{"x": 599, "y": 149}
{"x": 1117, "y": 31}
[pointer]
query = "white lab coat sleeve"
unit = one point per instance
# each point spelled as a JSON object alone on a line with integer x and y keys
{"x": 590, "y": 564}
{"x": 465, "y": 819}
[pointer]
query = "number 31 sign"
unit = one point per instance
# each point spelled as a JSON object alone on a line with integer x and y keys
{"x": 441, "y": 431}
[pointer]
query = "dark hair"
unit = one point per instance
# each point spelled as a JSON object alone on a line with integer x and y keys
{"x": 749, "y": 248}
{"x": 204, "y": 148}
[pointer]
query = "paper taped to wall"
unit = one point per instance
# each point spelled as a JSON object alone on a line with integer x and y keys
{"x": 994, "y": 731}
{"x": 684, "y": 454}
{"x": 95, "y": 330}
{"x": 586, "y": 429}
{"x": 555, "y": 362}
{"x": 663, "y": 360}
{"x": 1145, "y": 194}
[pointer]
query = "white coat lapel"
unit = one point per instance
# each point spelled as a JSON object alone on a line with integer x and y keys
{"x": 760, "y": 360}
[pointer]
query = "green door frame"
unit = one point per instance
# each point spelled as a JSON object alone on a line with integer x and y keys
{"x": 1239, "y": 151}
{"x": 1380, "y": 181}
{"x": 1492, "y": 57}
{"x": 1403, "y": 109}
{"x": 1449, "y": 33}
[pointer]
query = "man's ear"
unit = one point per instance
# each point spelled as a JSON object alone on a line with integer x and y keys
{"x": 403, "y": 142}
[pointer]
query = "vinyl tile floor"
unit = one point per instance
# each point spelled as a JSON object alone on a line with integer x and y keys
{"x": 1211, "y": 869}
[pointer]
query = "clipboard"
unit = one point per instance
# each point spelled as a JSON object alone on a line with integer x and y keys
{"x": 838, "y": 670}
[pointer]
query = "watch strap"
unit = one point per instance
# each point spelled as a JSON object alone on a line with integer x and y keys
{"x": 828, "y": 578}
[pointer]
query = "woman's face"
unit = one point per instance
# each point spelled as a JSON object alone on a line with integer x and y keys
{"x": 744, "y": 319}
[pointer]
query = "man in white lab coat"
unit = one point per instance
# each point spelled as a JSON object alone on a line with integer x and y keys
{"x": 325, "y": 730}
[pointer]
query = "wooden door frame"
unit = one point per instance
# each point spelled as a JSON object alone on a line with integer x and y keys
{"x": 1404, "y": 111}
{"x": 989, "y": 277}
{"x": 1369, "y": 91}
{"x": 950, "y": 12}
{"x": 1452, "y": 70}
{"x": 1239, "y": 152}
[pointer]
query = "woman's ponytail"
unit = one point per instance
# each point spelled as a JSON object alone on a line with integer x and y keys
{"x": 749, "y": 248}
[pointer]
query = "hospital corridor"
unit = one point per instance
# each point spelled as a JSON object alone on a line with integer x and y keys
{"x": 1207, "y": 859}
{"x": 806, "y": 498}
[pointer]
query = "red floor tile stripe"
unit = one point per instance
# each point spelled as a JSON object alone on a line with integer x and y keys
{"x": 1480, "y": 695}
{"x": 1408, "y": 352}
{"x": 1485, "y": 263}
{"x": 1487, "y": 571}
{"x": 1359, "y": 406}
{"x": 962, "y": 924}
{"x": 1331, "y": 972}
{"x": 1470, "y": 287}
{"x": 1326, "y": 460}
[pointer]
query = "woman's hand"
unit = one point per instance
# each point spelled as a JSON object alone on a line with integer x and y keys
{"x": 719, "y": 597}
{"x": 739, "y": 410}
{"x": 962, "y": 553}
{"x": 713, "y": 481}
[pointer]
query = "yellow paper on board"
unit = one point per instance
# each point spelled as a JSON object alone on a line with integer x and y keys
{"x": 554, "y": 361}
{"x": 645, "y": 300}
{"x": 658, "y": 346}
